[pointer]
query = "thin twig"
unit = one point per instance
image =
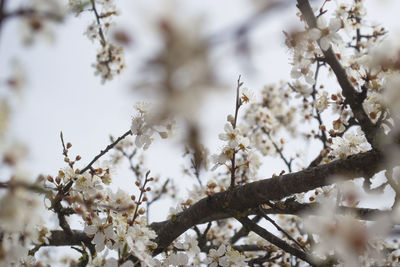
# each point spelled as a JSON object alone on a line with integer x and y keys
{"x": 280, "y": 228}
{"x": 251, "y": 226}
{"x": 323, "y": 136}
{"x": 237, "y": 106}
{"x": 98, "y": 17}
{"x": 287, "y": 162}
{"x": 108, "y": 148}
{"x": 243, "y": 231}
{"x": 58, "y": 208}
{"x": 139, "y": 201}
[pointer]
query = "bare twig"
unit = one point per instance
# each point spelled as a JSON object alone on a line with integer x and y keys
{"x": 142, "y": 189}
{"x": 323, "y": 136}
{"x": 279, "y": 150}
{"x": 265, "y": 216}
{"x": 237, "y": 106}
{"x": 158, "y": 196}
{"x": 246, "y": 222}
{"x": 250, "y": 23}
{"x": 108, "y": 148}
{"x": 243, "y": 231}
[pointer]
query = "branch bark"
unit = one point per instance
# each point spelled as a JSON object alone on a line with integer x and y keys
{"x": 249, "y": 196}
{"x": 243, "y": 199}
{"x": 60, "y": 238}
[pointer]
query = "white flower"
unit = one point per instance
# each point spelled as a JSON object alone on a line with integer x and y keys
{"x": 351, "y": 143}
{"x": 19, "y": 211}
{"x": 254, "y": 163}
{"x": 214, "y": 256}
{"x": 247, "y": 96}
{"x": 92, "y": 31}
{"x": 142, "y": 131}
{"x": 110, "y": 61}
{"x": 76, "y": 6}
{"x": 220, "y": 159}
{"x": 138, "y": 238}
{"x": 178, "y": 259}
{"x": 302, "y": 68}
{"x": 143, "y": 107}
{"x": 193, "y": 247}
{"x": 121, "y": 200}
{"x": 34, "y": 25}
{"x": 326, "y": 33}
{"x": 235, "y": 258}
{"x": 302, "y": 89}
{"x": 102, "y": 232}
{"x": 88, "y": 184}
{"x": 322, "y": 101}
{"x": 225, "y": 256}
{"x": 108, "y": 5}
{"x": 231, "y": 135}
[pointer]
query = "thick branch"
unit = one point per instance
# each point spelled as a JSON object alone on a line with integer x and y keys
{"x": 292, "y": 207}
{"x": 60, "y": 238}
{"x": 295, "y": 208}
{"x": 246, "y": 198}
{"x": 2, "y": 15}
{"x": 249, "y": 196}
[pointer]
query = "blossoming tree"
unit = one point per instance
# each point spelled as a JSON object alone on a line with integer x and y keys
{"x": 314, "y": 213}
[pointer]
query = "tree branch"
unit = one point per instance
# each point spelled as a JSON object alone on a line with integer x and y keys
{"x": 249, "y": 196}
{"x": 108, "y": 148}
{"x": 264, "y": 214}
{"x": 246, "y": 198}
{"x": 352, "y": 96}
{"x": 60, "y": 238}
{"x": 250, "y": 225}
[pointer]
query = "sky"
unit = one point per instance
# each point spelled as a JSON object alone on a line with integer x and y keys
{"x": 62, "y": 94}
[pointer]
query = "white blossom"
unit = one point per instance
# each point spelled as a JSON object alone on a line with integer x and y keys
{"x": 351, "y": 143}
{"x": 322, "y": 101}
{"x": 326, "y": 34}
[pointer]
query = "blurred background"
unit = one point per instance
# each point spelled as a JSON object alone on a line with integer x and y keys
{"x": 61, "y": 93}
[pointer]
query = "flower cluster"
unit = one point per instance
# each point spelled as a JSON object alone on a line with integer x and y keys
{"x": 110, "y": 60}
{"x": 112, "y": 219}
{"x": 351, "y": 143}
{"x": 145, "y": 124}
{"x": 225, "y": 256}
{"x": 235, "y": 137}
{"x": 39, "y": 22}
